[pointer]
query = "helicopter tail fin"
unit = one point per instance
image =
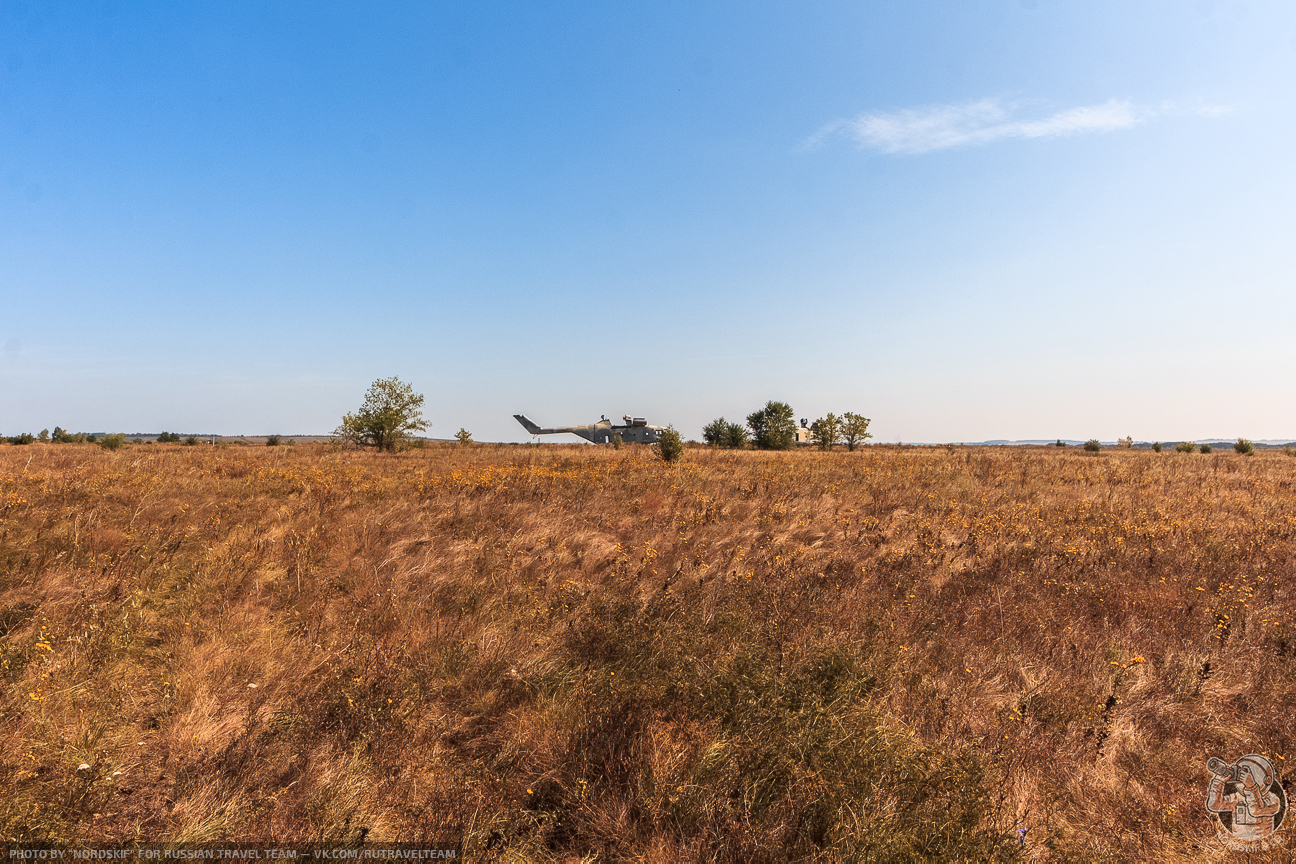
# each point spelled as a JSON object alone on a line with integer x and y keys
{"x": 527, "y": 423}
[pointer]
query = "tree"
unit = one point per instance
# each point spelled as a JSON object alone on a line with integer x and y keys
{"x": 1092, "y": 445}
{"x": 463, "y": 436}
{"x": 391, "y": 411}
{"x": 1244, "y": 447}
{"x": 1126, "y": 443}
{"x": 43, "y": 437}
{"x": 854, "y": 430}
{"x": 725, "y": 435}
{"x": 826, "y": 431}
{"x": 735, "y": 437}
{"x": 713, "y": 432}
{"x": 773, "y": 427}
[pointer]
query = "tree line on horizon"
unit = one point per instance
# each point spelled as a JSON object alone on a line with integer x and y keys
{"x": 774, "y": 428}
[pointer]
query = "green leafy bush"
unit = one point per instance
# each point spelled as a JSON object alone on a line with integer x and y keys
{"x": 1186, "y": 447}
{"x": 191, "y": 441}
{"x": 1244, "y": 447}
{"x": 463, "y": 436}
{"x": 273, "y": 440}
{"x": 24, "y": 438}
{"x": 669, "y": 446}
{"x": 113, "y": 441}
{"x": 1156, "y": 446}
{"x": 1092, "y": 445}
{"x": 1206, "y": 448}
{"x": 169, "y": 438}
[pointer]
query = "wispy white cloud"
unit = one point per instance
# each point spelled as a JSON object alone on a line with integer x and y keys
{"x": 940, "y": 127}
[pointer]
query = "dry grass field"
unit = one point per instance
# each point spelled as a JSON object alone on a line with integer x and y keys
{"x": 567, "y": 652}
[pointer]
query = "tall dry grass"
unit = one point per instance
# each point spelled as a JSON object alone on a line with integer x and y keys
{"x": 547, "y": 652}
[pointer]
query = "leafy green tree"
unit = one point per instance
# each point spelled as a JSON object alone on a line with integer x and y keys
{"x": 1092, "y": 445}
{"x": 725, "y": 435}
{"x": 464, "y": 436}
{"x": 390, "y": 412}
{"x": 1156, "y": 446}
{"x": 1186, "y": 447}
{"x": 773, "y": 427}
{"x": 669, "y": 445}
{"x": 854, "y": 430}
{"x": 24, "y": 438}
{"x": 1206, "y": 448}
{"x": 169, "y": 438}
{"x": 113, "y": 441}
{"x": 713, "y": 432}
{"x": 826, "y": 431}
{"x": 43, "y": 437}
{"x": 1244, "y": 447}
{"x": 735, "y": 437}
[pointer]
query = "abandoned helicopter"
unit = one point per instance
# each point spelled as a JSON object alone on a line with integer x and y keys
{"x": 635, "y": 431}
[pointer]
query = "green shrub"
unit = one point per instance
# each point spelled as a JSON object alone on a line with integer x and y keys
{"x": 1059, "y": 443}
{"x": 169, "y": 438}
{"x": 1186, "y": 447}
{"x": 191, "y": 441}
{"x": 1288, "y": 451}
{"x": 273, "y": 440}
{"x": 113, "y": 441}
{"x": 1156, "y": 446}
{"x": 1244, "y": 447}
{"x": 1092, "y": 445}
{"x": 669, "y": 446}
{"x": 463, "y": 436}
{"x": 24, "y": 438}
{"x": 1206, "y": 448}
{"x": 43, "y": 437}
{"x": 616, "y": 440}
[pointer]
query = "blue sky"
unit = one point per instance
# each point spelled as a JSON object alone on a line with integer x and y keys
{"x": 964, "y": 220}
